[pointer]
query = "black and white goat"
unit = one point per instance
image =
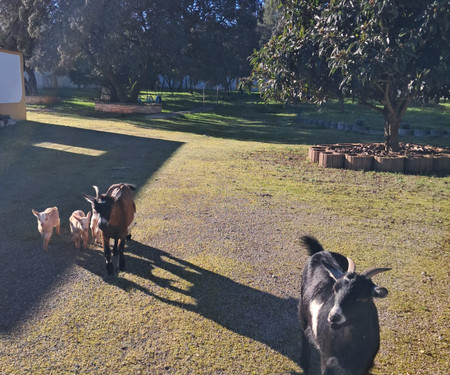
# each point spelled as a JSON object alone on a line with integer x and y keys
{"x": 337, "y": 313}
{"x": 115, "y": 212}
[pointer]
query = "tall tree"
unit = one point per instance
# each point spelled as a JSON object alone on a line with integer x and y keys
{"x": 124, "y": 45}
{"x": 122, "y": 41}
{"x": 222, "y": 34}
{"x": 385, "y": 51}
{"x": 25, "y": 26}
{"x": 271, "y": 20}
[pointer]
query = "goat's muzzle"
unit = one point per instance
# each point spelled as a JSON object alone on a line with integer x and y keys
{"x": 336, "y": 318}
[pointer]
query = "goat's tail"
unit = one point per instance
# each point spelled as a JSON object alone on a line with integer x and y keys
{"x": 311, "y": 244}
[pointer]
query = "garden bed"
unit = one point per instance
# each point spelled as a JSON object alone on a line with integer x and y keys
{"x": 411, "y": 158}
{"x": 126, "y": 108}
{"x": 41, "y": 99}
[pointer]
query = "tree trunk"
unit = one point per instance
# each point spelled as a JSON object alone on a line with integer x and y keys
{"x": 31, "y": 84}
{"x": 118, "y": 92}
{"x": 135, "y": 90}
{"x": 391, "y": 126}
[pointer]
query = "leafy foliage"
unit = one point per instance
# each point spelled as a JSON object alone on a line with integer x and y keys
{"x": 25, "y": 27}
{"x": 124, "y": 45}
{"x": 389, "y": 51}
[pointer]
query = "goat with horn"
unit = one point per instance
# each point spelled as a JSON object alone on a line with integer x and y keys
{"x": 114, "y": 211}
{"x": 337, "y": 313}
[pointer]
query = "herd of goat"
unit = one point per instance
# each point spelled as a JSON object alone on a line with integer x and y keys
{"x": 111, "y": 217}
{"x": 338, "y": 316}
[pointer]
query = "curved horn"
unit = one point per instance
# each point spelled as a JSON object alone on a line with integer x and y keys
{"x": 351, "y": 265}
{"x": 374, "y": 271}
{"x": 96, "y": 190}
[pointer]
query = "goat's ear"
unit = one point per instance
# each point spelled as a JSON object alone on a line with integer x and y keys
{"x": 379, "y": 292}
{"x": 77, "y": 218}
{"x": 117, "y": 195}
{"x": 334, "y": 273}
{"x": 89, "y": 198}
{"x": 35, "y": 213}
{"x": 89, "y": 215}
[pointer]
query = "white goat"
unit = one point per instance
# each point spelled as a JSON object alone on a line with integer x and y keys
{"x": 79, "y": 227}
{"x": 47, "y": 220}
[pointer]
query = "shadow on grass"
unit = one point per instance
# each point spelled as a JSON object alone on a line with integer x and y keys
{"x": 271, "y": 129}
{"x": 44, "y": 165}
{"x": 247, "y": 311}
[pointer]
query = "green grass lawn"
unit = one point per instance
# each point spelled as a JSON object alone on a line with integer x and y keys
{"x": 214, "y": 267}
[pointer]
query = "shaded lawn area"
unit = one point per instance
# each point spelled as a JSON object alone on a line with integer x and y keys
{"x": 213, "y": 269}
{"x": 247, "y": 117}
{"x": 45, "y": 165}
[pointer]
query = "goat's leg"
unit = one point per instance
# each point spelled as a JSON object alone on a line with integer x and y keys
{"x": 115, "y": 247}
{"x": 121, "y": 256}
{"x": 85, "y": 240}
{"x": 305, "y": 359}
{"x": 107, "y": 251}
{"x": 46, "y": 240}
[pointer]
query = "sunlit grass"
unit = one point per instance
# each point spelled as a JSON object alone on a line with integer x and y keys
{"x": 70, "y": 148}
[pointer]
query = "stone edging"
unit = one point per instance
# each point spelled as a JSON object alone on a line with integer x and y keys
{"x": 366, "y": 130}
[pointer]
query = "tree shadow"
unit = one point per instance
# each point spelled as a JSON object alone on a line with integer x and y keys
{"x": 247, "y": 311}
{"x": 44, "y": 165}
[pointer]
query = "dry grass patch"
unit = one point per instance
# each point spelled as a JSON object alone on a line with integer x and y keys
{"x": 213, "y": 270}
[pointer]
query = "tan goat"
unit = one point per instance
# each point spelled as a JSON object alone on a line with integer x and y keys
{"x": 47, "y": 220}
{"x": 79, "y": 227}
{"x": 95, "y": 230}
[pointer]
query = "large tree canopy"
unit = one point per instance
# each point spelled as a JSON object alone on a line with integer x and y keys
{"x": 124, "y": 45}
{"x": 217, "y": 38}
{"x": 385, "y": 51}
{"x": 119, "y": 42}
{"x": 25, "y": 27}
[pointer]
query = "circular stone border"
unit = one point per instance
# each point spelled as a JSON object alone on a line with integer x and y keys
{"x": 413, "y": 159}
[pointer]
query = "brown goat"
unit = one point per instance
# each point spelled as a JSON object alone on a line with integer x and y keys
{"x": 115, "y": 211}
